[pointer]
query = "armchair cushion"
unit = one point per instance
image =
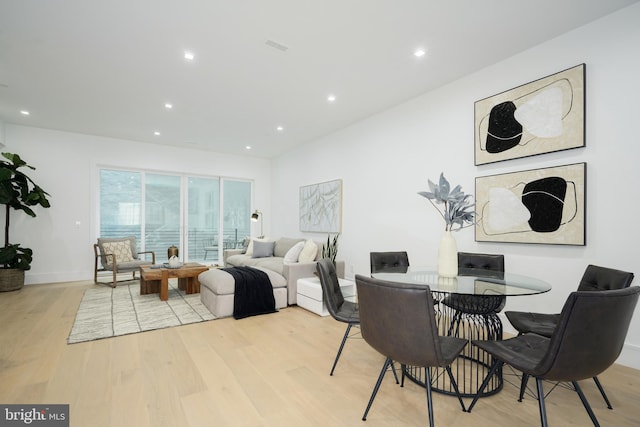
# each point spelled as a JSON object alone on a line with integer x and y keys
{"x": 102, "y": 241}
{"x": 121, "y": 250}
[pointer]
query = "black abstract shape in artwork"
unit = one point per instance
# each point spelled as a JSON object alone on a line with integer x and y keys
{"x": 544, "y": 198}
{"x": 504, "y": 131}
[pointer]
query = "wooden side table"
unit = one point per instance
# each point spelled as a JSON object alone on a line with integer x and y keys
{"x": 156, "y": 280}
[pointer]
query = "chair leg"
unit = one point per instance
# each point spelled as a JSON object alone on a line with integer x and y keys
{"x": 455, "y": 387}
{"x": 523, "y": 386}
{"x": 344, "y": 339}
{"x": 455, "y": 321}
{"x": 377, "y": 386}
{"x": 494, "y": 368}
{"x": 586, "y": 404}
{"x": 427, "y": 382}
{"x": 543, "y": 410}
{"x": 403, "y": 369}
{"x": 393, "y": 369}
{"x": 604, "y": 395}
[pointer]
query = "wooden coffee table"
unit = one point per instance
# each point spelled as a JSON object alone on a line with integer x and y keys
{"x": 156, "y": 280}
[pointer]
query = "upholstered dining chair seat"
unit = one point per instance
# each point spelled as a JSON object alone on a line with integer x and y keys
{"x": 594, "y": 279}
{"x": 339, "y": 308}
{"x": 399, "y": 322}
{"x": 587, "y": 340}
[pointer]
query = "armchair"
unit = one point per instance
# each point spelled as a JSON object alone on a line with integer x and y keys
{"x": 118, "y": 255}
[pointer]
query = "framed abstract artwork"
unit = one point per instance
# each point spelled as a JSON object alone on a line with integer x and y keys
{"x": 534, "y": 206}
{"x": 539, "y": 117}
{"x": 321, "y": 207}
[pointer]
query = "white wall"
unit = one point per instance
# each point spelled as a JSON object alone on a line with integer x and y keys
{"x": 67, "y": 168}
{"x": 385, "y": 160}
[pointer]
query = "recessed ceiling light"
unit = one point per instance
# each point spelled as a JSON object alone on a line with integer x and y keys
{"x": 168, "y": 106}
{"x": 248, "y": 147}
{"x": 279, "y": 128}
{"x": 331, "y": 98}
{"x": 156, "y": 133}
{"x": 189, "y": 56}
{"x": 24, "y": 112}
{"x": 419, "y": 53}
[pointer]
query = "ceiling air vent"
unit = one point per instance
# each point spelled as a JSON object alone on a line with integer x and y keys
{"x": 276, "y": 45}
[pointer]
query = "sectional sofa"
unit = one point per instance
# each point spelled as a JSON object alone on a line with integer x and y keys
{"x": 293, "y": 258}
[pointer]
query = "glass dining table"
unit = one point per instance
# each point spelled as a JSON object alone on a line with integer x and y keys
{"x": 466, "y": 306}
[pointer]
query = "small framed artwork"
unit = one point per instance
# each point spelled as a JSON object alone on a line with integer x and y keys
{"x": 321, "y": 207}
{"x": 534, "y": 206}
{"x": 539, "y": 117}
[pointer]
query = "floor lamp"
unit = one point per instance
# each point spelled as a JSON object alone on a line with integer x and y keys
{"x": 254, "y": 217}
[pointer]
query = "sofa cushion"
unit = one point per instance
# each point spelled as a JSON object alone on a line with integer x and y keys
{"x": 249, "y": 251}
{"x": 222, "y": 283}
{"x": 272, "y": 263}
{"x": 292, "y": 254}
{"x": 283, "y": 245}
{"x": 309, "y": 252}
{"x": 262, "y": 249}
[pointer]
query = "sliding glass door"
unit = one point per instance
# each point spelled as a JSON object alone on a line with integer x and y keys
{"x": 168, "y": 209}
{"x": 163, "y": 221}
{"x": 203, "y": 219}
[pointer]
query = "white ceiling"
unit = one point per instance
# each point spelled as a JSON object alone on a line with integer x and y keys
{"x": 108, "y": 67}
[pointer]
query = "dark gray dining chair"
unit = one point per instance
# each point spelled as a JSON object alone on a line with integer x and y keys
{"x": 595, "y": 278}
{"x": 339, "y": 308}
{"x": 390, "y": 262}
{"x": 570, "y": 354}
{"x": 398, "y": 321}
{"x": 481, "y": 305}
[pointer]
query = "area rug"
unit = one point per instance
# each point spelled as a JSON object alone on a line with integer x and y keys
{"x": 106, "y": 312}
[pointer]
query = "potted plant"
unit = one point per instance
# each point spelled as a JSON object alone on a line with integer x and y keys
{"x": 19, "y": 192}
{"x": 457, "y": 209}
{"x": 330, "y": 250}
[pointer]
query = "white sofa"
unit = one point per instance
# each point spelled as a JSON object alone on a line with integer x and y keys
{"x": 291, "y": 271}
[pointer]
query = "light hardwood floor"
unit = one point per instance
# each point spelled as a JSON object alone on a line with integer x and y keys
{"x": 270, "y": 370}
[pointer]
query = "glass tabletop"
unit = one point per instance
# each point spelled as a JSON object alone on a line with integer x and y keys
{"x": 468, "y": 282}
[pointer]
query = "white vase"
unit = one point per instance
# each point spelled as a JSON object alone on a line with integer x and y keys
{"x": 448, "y": 256}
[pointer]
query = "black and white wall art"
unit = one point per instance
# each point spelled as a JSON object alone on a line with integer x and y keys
{"x": 535, "y": 206}
{"x": 539, "y": 117}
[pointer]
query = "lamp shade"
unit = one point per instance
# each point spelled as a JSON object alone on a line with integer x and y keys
{"x": 254, "y": 217}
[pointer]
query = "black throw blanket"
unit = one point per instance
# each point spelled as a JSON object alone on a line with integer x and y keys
{"x": 253, "y": 293}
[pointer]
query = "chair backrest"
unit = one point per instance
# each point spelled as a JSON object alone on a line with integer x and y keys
{"x": 596, "y": 278}
{"x": 399, "y": 321}
{"x": 479, "y": 261}
{"x": 123, "y": 247}
{"x": 493, "y": 262}
{"x": 393, "y": 262}
{"x": 331, "y": 293}
{"x": 590, "y": 334}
